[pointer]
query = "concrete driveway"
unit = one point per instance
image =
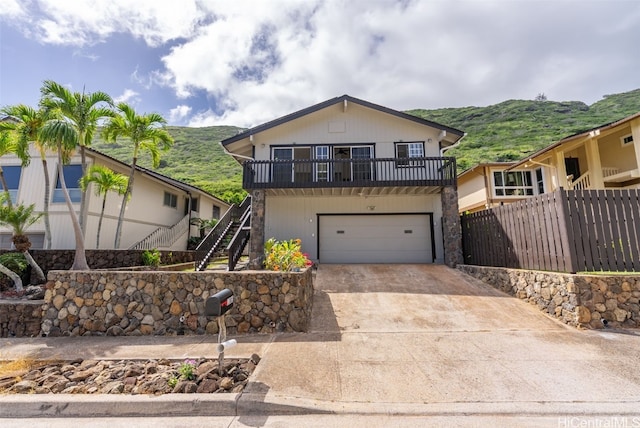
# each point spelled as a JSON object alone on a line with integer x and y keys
{"x": 427, "y": 338}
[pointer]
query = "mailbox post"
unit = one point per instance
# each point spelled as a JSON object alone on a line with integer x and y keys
{"x": 217, "y": 306}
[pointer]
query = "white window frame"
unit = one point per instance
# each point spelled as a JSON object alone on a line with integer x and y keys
{"x": 626, "y": 140}
{"x": 516, "y": 190}
{"x": 415, "y": 149}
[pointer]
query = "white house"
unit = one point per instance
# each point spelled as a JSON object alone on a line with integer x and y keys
{"x": 355, "y": 181}
{"x": 159, "y": 204}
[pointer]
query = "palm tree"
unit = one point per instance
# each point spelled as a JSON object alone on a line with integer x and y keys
{"x": 28, "y": 122}
{"x": 19, "y": 217}
{"x": 104, "y": 181}
{"x": 59, "y": 134}
{"x": 11, "y": 145}
{"x": 146, "y": 132}
{"x": 83, "y": 111}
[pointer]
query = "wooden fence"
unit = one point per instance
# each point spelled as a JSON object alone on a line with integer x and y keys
{"x": 564, "y": 231}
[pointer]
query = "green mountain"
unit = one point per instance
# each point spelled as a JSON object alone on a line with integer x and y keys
{"x": 513, "y": 129}
{"x": 506, "y": 131}
{"x": 195, "y": 158}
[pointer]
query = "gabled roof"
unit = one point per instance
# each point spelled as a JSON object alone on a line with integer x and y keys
{"x": 333, "y": 101}
{"x": 160, "y": 177}
{"x": 468, "y": 171}
{"x": 577, "y": 136}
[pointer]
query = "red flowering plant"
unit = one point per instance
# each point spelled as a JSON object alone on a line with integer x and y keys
{"x": 285, "y": 256}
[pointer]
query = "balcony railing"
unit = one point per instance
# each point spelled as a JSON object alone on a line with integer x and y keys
{"x": 366, "y": 172}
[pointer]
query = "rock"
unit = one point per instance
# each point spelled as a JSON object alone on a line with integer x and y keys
{"x": 115, "y": 330}
{"x": 620, "y": 314}
{"x": 207, "y": 386}
{"x": 226, "y": 383}
{"x": 243, "y": 327}
{"x": 24, "y": 387}
{"x": 256, "y": 321}
{"x": 298, "y": 320}
{"x": 176, "y": 308}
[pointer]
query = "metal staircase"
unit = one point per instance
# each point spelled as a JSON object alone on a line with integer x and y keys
{"x": 229, "y": 236}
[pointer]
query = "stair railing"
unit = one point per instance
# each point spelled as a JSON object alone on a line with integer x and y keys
{"x": 163, "y": 236}
{"x": 239, "y": 240}
{"x": 213, "y": 241}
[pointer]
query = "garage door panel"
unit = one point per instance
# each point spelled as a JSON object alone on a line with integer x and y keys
{"x": 402, "y": 238}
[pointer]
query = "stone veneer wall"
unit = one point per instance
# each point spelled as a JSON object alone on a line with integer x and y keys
{"x": 19, "y": 318}
{"x": 593, "y": 301}
{"x": 104, "y": 259}
{"x": 145, "y": 303}
{"x": 451, "y": 227}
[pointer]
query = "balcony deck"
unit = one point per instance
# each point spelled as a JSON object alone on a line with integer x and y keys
{"x": 352, "y": 176}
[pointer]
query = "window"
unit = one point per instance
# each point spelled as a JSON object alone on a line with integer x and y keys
{"x": 322, "y": 168}
{"x": 194, "y": 205}
{"x": 512, "y": 183}
{"x": 627, "y": 139}
{"x": 72, "y": 175}
{"x": 170, "y": 200}
{"x": 409, "y": 150}
{"x": 215, "y": 213}
{"x": 540, "y": 181}
{"x": 12, "y": 177}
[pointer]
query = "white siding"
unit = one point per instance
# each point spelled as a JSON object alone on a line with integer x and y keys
{"x": 289, "y": 217}
{"x": 360, "y": 125}
{"x": 145, "y": 211}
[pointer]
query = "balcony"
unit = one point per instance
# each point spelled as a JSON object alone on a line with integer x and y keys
{"x": 432, "y": 172}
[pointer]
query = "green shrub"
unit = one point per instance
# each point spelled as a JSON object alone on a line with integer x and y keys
{"x": 15, "y": 262}
{"x": 151, "y": 257}
{"x": 285, "y": 255}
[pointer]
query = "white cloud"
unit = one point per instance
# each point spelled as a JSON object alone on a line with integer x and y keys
{"x": 12, "y": 9}
{"x": 129, "y": 96}
{"x": 179, "y": 113}
{"x": 256, "y": 60}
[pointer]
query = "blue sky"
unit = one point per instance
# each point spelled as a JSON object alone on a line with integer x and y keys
{"x": 244, "y": 62}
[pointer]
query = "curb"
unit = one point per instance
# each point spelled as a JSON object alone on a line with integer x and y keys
{"x": 251, "y": 404}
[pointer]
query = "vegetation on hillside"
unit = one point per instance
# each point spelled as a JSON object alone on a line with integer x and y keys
{"x": 502, "y": 132}
{"x": 513, "y": 129}
{"x": 195, "y": 158}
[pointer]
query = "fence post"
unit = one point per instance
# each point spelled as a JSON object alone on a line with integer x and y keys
{"x": 567, "y": 238}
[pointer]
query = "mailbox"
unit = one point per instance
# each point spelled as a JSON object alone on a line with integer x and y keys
{"x": 219, "y": 303}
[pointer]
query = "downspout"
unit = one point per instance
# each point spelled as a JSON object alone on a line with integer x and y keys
{"x": 457, "y": 143}
{"x": 189, "y": 214}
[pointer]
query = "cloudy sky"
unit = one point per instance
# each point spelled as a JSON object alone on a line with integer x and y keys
{"x": 243, "y": 62}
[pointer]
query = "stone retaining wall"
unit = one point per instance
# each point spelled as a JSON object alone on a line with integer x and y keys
{"x": 103, "y": 259}
{"x": 145, "y": 303}
{"x": 20, "y": 318}
{"x": 593, "y": 301}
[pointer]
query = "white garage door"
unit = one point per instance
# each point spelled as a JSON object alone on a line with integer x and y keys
{"x": 402, "y": 238}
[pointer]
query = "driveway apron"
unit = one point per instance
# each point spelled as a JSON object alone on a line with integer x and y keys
{"x": 430, "y": 335}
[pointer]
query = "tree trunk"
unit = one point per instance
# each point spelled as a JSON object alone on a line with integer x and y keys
{"x": 104, "y": 203}
{"x": 5, "y": 186}
{"x": 14, "y": 276}
{"x": 34, "y": 266}
{"x": 80, "y": 258}
{"x": 83, "y": 194}
{"x": 124, "y": 203}
{"x": 45, "y": 210}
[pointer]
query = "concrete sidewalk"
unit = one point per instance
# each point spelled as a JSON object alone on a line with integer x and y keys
{"x": 408, "y": 341}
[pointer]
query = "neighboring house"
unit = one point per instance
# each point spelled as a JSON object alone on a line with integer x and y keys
{"x": 355, "y": 181}
{"x": 605, "y": 157}
{"x": 159, "y": 205}
{"x": 487, "y": 185}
